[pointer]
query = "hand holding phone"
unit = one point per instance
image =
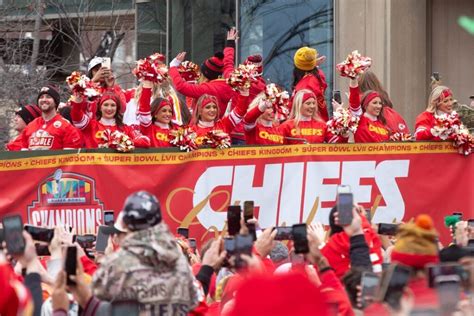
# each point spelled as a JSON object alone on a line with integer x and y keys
{"x": 345, "y": 203}
{"x": 183, "y": 232}
{"x": 300, "y": 238}
{"x": 40, "y": 233}
{"x": 369, "y": 286}
{"x": 71, "y": 264}
{"x": 336, "y": 95}
{"x": 248, "y": 210}
{"x": 106, "y": 62}
{"x": 102, "y": 239}
{"x": 13, "y": 234}
{"x": 387, "y": 229}
{"x": 283, "y": 233}
{"x": 233, "y": 219}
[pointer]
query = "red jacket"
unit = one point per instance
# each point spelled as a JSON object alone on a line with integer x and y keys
{"x": 93, "y": 130}
{"x": 312, "y": 83}
{"x": 312, "y": 131}
{"x": 15, "y": 144}
{"x": 218, "y": 88}
{"x": 337, "y": 249}
{"x": 57, "y": 133}
{"x": 395, "y": 122}
{"x": 159, "y": 136}
{"x": 423, "y": 124}
{"x": 259, "y": 134}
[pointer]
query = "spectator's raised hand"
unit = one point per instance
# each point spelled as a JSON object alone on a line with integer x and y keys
{"x": 355, "y": 228}
{"x": 265, "y": 242}
{"x": 320, "y": 60}
{"x": 214, "y": 257}
{"x": 178, "y": 59}
{"x": 233, "y": 34}
{"x": 59, "y": 296}
{"x": 61, "y": 238}
{"x": 81, "y": 291}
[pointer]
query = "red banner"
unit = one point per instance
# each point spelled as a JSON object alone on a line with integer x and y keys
{"x": 289, "y": 184}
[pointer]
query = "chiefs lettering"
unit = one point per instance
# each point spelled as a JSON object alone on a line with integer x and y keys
{"x": 307, "y": 132}
{"x": 161, "y": 136}
{"x": 378, "y": 130}
{"x": 273, "y": 137}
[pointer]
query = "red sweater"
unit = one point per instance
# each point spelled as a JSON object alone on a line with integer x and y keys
{"x": 93, "y": 130}
{"x": 312, "y": 83}
{"x": 218, "y": 88}
{"x": 423, "y": 124}
{"x": 159, "y": 136}
{"x": 259, "y": 134}
{"x": 370, "y": 131}
{"x": 395, "y": 122}
{"x": 226, "y": 124}
{"x": 57, "y": 133}
{"x": 312, "y": 131}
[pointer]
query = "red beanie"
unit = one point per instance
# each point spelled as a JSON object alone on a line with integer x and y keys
{"x": 286, "y": 294}
{"x": 255, "y": 60}
{"x": 213, "y": 67}
{"x": 369, "y": 97}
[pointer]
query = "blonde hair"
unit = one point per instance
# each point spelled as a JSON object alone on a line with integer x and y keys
{"x": 435, "y": 98}
{"x": 295, "y": 113}
{"x": 197, "y": 107}
{"x": 159, "y": 90}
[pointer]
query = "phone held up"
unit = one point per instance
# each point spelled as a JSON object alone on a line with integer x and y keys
{"x": 345, "y": 203}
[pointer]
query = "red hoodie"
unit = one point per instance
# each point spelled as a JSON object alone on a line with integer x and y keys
{"x": 337, "y": 249}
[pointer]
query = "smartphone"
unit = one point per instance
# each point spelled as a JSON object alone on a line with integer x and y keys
{"x": 229, "y": 246}
{"x": 248, "y": 210}
{"x": 300, "y": 238}
{"x": 283, "y": 233}
{"x": 393, "y": 284}
{"x": 387, "y": 229}
{"x": 459, "y": 214}
{"x": 252, "y": 230}
{"x": 470, "y": 222}
{"x": 13, "y": 234}
{"x": 233, "y": 219}
{"x": 42, "y": 250}
{"x": 109, "y": 219}
{"x": 192, "y": 244}
{"x": 336, "y": 95}
{"x": 85, "y": 241}
{"x": 345, "y": 203}
{"x": 102, "y": 239}
{"x": 436, "y": 76}
{"x": 449, "y": 292}
{"x": 71, "y": 264}
{"x": 183, "y": 232}
{"x": 443, "y": 269}
{"x": 106, "y": 62}
{"x": 369, "y": 284}
{"x": 40, "y": 233}
{"x": 243, "y": 244}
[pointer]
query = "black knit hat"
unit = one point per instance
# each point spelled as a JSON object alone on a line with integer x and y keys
{"x": 52, "y": 92}
{"x": 28, "y": 113}
{"x": 213, "y": 67}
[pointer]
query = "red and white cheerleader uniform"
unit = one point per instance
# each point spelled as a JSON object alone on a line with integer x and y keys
{"x": 370, "y": 129}
{"x": 93, "y": 130}
{"x": 263, "y": 132}
{"x": 157, "y": 132}
{"x": 226, "y": 124}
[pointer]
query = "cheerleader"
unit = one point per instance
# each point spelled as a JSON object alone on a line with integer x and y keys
{"x": 372, "y": 124}
{"x": 305, "y": 124}
{"x": 440, "y": 102}
{"x": 307, "y": 75}
{"x": 155, "y": 118}
{"x": 108, "y": 117}
{"x": 259, "y": 123}
{"x": 206, "y": 116}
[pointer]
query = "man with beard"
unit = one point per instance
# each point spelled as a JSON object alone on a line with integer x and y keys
{"x": 50, "y": 131}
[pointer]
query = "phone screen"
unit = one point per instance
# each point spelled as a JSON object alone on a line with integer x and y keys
{"x": 192, "y": 243}
{"x": 444, "y": 269}
{"x": 393, "y": 285}
{"x": 71, "y": 264}
{"x": 369, "y": 283}
{"x": 106, "y": 62}
{"x": 13, "y": 234}
{"x": 233, "y": 219}
{"x": 183, "y": 232}
{"x": 300, "y": 238}
{"x": 345, "y": 203}
{"x": 102, "y": 239}
{"x": 336, "y": 95}
{"x": 86, "y": 241}
{"x": 387, "y": 229}
{"x": 470, "y": 222}
{"x": 243, "y": 244}
{"x": 229, "y": 246}
{"x": 283, "y": 233}
{"x": 449, "y": 292}
{"x": 42, "y": 250}
{"x": 248, "y": 210}
{"x": 109, "y": 218}
{"x": 40, "y": 233}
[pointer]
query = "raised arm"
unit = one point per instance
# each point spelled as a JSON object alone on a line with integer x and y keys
{"x": 236, "y": 115}
{"x": 229, "y": 52}
{"x": 144, "y": 110}
{"x": 79, "y": 118}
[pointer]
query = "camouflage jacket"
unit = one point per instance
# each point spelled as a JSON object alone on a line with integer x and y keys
{"x": 149, "y": 269}
{"x": 466, "y": 113}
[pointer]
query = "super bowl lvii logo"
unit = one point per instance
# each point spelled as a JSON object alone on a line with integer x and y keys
{"x": 66, "y": 198}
